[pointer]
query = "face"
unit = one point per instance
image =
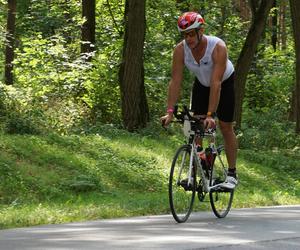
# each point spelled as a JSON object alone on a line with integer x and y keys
{"x": 191, "y": 37}
{"x": 189, "y": 34}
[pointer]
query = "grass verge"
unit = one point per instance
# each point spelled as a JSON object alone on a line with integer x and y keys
{"x": 112, "y": 173}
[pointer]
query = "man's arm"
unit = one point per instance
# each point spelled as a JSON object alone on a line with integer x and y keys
{"x": 175, "y": 82}
{"x": 177, "y": 75}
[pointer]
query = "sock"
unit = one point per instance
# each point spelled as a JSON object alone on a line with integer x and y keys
{"x": 232, "y": 172}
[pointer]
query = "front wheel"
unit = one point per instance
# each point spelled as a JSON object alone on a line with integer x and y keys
{"x": 181, "y": 193}
{"x": 220, "y": 198}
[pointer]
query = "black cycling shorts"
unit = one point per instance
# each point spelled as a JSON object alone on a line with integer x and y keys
{"x": 200, "y": 99}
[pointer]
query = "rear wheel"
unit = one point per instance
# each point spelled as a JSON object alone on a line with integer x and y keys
{"x": 220, "y": 198}
{"x": 181, "y": 193}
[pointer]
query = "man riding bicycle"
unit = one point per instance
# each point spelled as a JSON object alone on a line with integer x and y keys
{"x": 213, "y": 89}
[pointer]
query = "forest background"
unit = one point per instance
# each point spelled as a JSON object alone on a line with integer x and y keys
{"x": 87, "y": 74}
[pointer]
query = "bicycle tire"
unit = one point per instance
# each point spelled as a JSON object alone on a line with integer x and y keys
{"x": 220, "y": 199}
{"x": 181, "y": 196}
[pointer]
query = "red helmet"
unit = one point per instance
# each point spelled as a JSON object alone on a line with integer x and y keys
{"x": 189, "y": 21}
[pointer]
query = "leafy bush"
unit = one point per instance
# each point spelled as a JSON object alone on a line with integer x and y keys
{"x": 270, "y": 81}
{"x": 18, "y": 117}
{"x": 19, "y": 123}
{"x": 47, "y": 68}
{"x": 102, "y": 94}
{"x": 11, "y": 181}
{"x": 49, "y": 85}
{"x": 267, "y": 131}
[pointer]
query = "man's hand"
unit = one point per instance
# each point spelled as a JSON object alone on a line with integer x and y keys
{"x": 209, "y": 122}
{"x": 166, "y": 120}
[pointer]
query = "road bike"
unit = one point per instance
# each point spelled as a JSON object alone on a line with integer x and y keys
{"x": 197, "y": 169}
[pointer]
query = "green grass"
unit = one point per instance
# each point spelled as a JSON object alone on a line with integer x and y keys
{"x": 113, "y": 173}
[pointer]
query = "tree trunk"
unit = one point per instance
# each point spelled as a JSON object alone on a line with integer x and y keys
{"x": 259, "y": 17}
{"x": 88, "y": 28}
{"x": 242, "y": 8}
{"x": 282, "y": 26}
{"x": 295, "y": 13}
{"x": 135, "y": 111}
{"x": 274, "y": 26}
{"x": 10, "y": 40}
{"x": 254, "y": 4}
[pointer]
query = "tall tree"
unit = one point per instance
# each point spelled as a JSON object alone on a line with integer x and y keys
{"x": 274, "y": 25}
{"x": 135, "y": 111}
{"x": 295, "y": 13}
{"x": 10, "y": 40}
{"x": 282, "y": 25}
{"x": 242, "y": 8}
{"x": 260, "y": 11}
{"x": 88, "y": 27}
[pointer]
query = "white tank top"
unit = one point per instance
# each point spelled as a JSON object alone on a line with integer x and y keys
{"x": 203, "y": 68}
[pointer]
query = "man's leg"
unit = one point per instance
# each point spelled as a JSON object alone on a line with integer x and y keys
{"x": 230, "y": 142}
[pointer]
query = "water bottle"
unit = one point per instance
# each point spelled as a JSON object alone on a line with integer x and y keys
{"x": 209, "y": 157}
{"x": 202, "y": 156}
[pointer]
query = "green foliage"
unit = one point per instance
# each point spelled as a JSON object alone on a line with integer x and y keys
{"x": 61, "y": 170}
{"x": 49, "y": 18}
{"x": 52, "y": 78}
{"x": 161, "y": 35}
{"x": 271, "y": 80}
{"x": 47, "y": 68}
{"x": 102, "y": 94}
{"x": 267, "y": 102}
{"x": 50, "y": 81}
{"x": 267, "y": 130}
{"x": 21, "y": 123}
{"x": 11, "y": 181}
{"x": 17, "y": 117}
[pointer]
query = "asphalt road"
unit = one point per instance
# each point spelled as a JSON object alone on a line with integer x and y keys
{"x": 260, "y": 228}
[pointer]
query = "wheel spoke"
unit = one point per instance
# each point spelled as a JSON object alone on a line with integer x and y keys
{"x": 181, "y": 192}
{"x": 220, "y": 199}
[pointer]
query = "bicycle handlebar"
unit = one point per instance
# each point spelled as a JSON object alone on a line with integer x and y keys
{"x": 197, "y": 122}
{"x": 185, "y": 112}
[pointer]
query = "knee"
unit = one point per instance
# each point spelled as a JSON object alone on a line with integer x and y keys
{"x": 226, "y": 128}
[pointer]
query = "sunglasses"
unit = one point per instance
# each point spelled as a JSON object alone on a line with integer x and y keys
{"x": 191, "y": 33}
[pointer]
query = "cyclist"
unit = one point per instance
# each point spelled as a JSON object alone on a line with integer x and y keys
{"x": 213, "y": 88}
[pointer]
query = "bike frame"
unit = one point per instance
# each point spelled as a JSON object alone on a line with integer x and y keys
{"x": 191, "y": 138}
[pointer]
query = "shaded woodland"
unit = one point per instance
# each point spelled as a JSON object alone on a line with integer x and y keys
{"x": 69, "y": 64}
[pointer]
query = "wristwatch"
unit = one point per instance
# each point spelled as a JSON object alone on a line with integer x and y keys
{"x": 211, "y": 114}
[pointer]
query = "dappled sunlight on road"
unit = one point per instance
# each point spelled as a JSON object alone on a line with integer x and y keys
{"x": 203, "y": 230}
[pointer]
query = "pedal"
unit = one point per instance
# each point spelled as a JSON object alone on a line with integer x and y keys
{"x": 184, "y": 184}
